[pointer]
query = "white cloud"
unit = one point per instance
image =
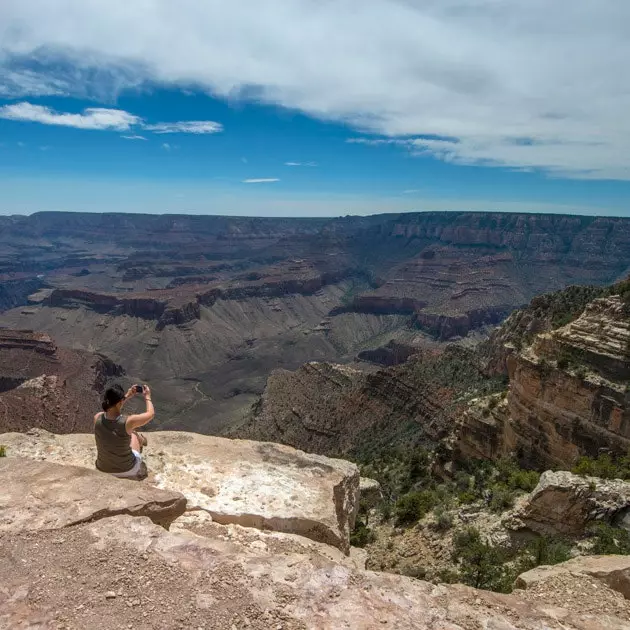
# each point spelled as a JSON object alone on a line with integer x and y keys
{"x": 186, "y": 126}
{"x": 300, "y": 163}
{"x": 520, "y": 83}
{"x": 103, "y": 119}
{"x": 92, "y": 118}
{"x": 263, "y": 180}
{"x": 166, "y": 146}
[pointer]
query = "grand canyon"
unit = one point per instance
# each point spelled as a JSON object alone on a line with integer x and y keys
{"x": 356, "y": 418}
{"x": 205, "y": 307}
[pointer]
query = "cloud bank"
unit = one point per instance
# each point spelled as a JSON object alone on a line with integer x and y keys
{"x": 525, "y": 84}
{"x": 261, "y": 180}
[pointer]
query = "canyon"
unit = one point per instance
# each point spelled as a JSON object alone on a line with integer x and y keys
{"x": 206, "y": 307}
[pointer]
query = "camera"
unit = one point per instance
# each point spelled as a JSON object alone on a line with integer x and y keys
{"x": 139, "y": 389}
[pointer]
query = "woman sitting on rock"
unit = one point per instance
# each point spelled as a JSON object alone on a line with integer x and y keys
{"x": 118, "y": 443}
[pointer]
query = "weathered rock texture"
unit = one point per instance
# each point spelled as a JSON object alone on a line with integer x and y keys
{"x": 37, "y": 495}
{"x": 254, "y": 484}
{"x": 567, "y": 397}
{"x": 126, "y": 570}
{"x": 614, "y": 571}
{"x": 565, "y": 503}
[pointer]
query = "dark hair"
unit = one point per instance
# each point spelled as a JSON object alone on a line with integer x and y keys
{"x": 113, "y": 395}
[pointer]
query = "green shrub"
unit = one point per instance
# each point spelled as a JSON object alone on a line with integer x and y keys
{"x": 3, "y": 450}
{"x": 467, "y": 497}
{"x": 443, "y": 520}
{"x": 413, "y": 506}
{"x": 544, "y": 550}
{"x": 563, "y": 363}
{"x": 604, "y": 466}
{"x": 481, "y": 565}
{"x": 525, "y": 480}
{"x": 361, "y": 535}
{"x": 608, "y": 540}
{"x": 502, "y": 498}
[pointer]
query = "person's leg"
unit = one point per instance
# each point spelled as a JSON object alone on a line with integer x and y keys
{"x": 136, "y": 443}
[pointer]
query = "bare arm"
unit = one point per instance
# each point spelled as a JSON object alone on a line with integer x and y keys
{"x": 138, "y": 420}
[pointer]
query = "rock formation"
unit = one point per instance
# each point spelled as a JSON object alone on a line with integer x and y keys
{"x": 563, "y": 503}
{"x": 43, "y": 385}
{"x": 83, "y": 554}
{"x": 262, "y": 485}
{"x": 567, "y": 396}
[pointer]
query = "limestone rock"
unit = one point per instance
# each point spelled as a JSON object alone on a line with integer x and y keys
{"x": 370, "y": 492}
{"x": 614, "y": 571}
{"x": 565, "y": 503}
{"x": 172, "y": 580}
{"x": 42, "y": 495}
{"x": 253, "y": 484}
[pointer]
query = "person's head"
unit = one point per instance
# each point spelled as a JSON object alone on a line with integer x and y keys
{"x": 113, "y": 399}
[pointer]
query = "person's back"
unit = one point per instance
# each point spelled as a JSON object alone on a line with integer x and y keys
{"x": 113, "y": 445}
{"x": 118, "y": 444}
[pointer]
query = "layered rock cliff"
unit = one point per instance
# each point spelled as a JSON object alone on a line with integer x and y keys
{"x": 568, "y": 393}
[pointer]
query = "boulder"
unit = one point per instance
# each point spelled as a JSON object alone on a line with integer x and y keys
{"x": 254, "y": 484}
{"x": 43, "y": 495}
{"x": 614, "y": 571}
{"x": 370, "y": 492}
{"x": 564, "y": 503}
{"x": 125, "y": 572}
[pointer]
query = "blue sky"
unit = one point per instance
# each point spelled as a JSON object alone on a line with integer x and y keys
{"x": 305, "y": 110}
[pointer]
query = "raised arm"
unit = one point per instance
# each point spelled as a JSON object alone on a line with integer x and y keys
{"x": 138, "y": 420}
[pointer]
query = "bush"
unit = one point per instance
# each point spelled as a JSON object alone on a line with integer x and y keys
{"x": 447, "y": 576}
{"x": 609, "y": 540}
{"x": 563, "y": 363}
{"x": 481, "y": 565}
{"x": 502, "y": 498}
{"x": 413, "y": 506}
{"x": 604, "y": 466}
{"x": 361, "y": 535}
{"x": 443, "y": 520}
{"x": 544, "y": 550}
{"x": 3, "y": 451}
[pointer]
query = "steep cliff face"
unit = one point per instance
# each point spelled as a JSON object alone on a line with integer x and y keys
{"x": 337, "y": 409}
{"x": 568, "y": 394}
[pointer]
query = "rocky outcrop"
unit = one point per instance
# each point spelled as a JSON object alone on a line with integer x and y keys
{"x": 134, "y": 572}
{"x": 445, "y": 327}
{"x": 253, "y": 484}
{"x": 614, "y": 571}
{"x": 15, "y": 291}
{"x": 337, "y": 409}
{"x": 41, "y": 495}
{"x": 563, "y": 503}
{"x": 43, "y": 385}
{"x": 370, "y": 492}
{"x": 567, "y": 393}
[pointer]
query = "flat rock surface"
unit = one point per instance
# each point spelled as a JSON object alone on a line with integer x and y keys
{"x": 254, "y": 484}
{"x": 614, "y": 571}
{"x": 126, "y": 572}
{"x": 43, "y": 495}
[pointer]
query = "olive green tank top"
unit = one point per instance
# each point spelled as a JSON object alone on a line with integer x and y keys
{"x": 113, "y": 445}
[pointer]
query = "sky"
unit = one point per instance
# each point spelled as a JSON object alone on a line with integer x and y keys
{"x": 314, "y": 107}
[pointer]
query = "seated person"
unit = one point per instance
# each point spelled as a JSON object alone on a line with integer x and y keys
{"x": 118, "y": 444}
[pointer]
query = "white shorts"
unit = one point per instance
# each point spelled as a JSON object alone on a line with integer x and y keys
{"x": 133, "y": 472}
